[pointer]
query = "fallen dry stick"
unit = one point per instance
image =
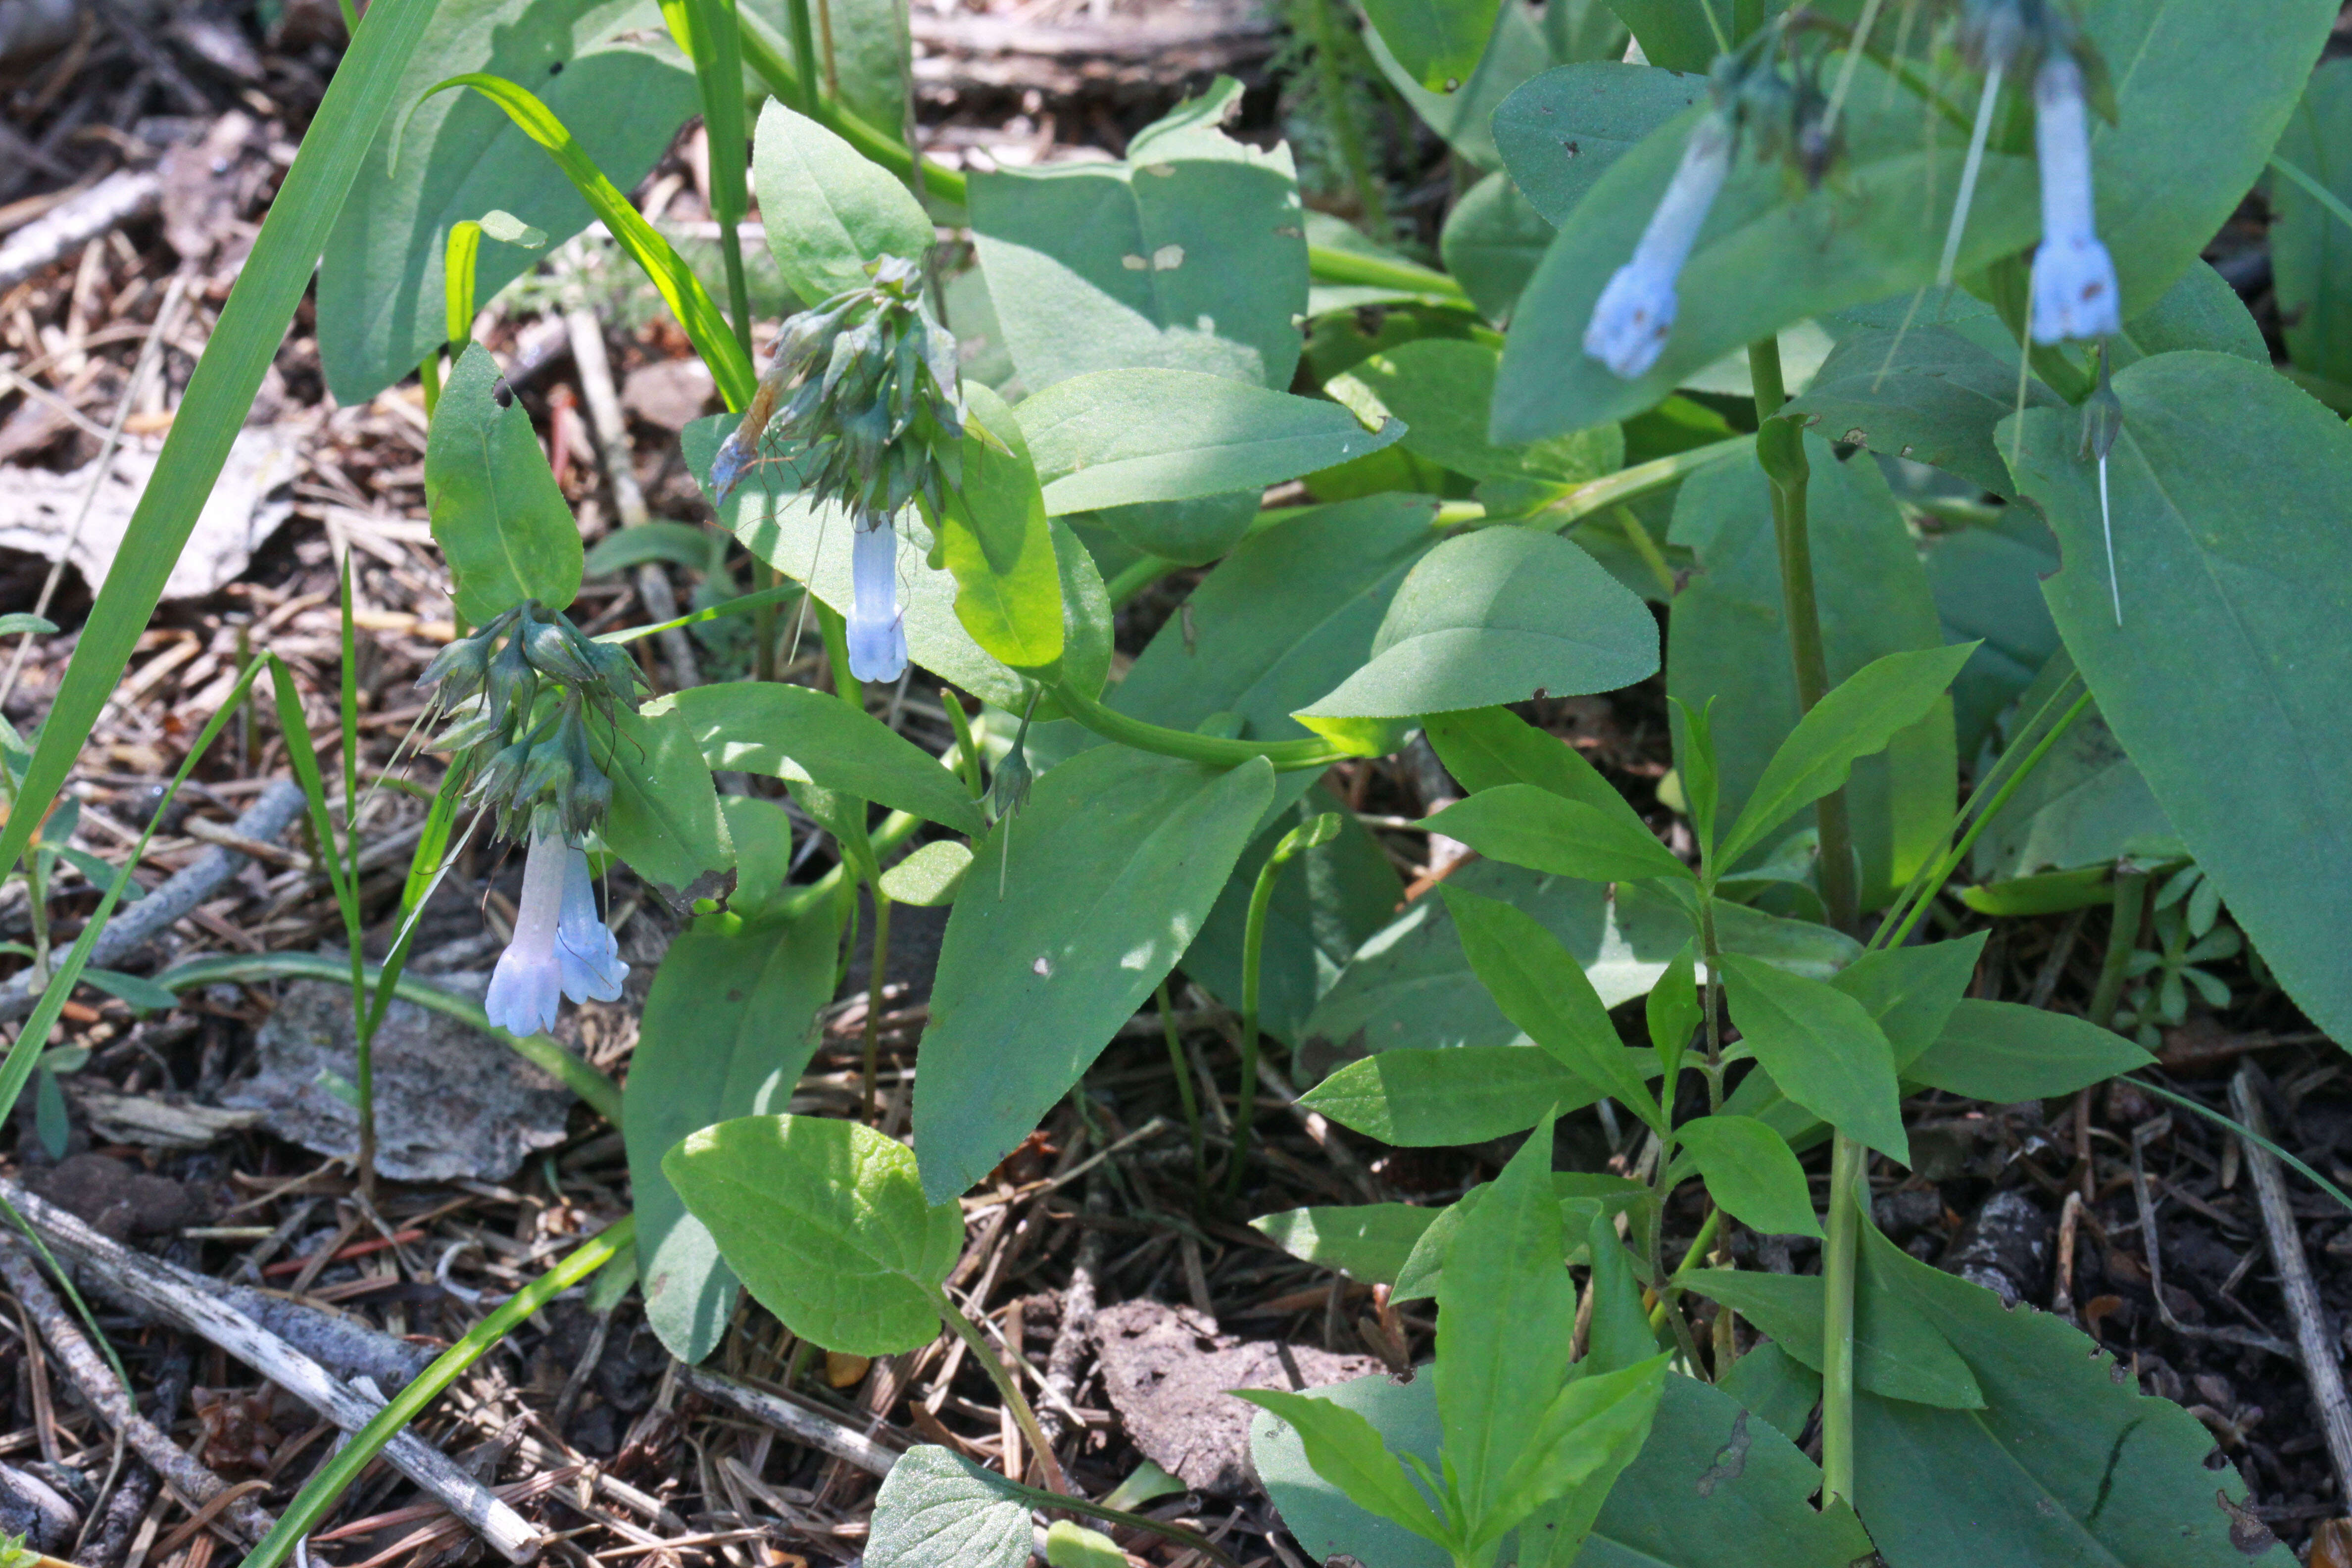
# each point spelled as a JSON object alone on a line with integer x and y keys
{"x": 113, "y": 1401}
{"x": 2319, "y": 1368}
{"x": 796, "y": 1422}
{"x": 263, "y": 821}
{"x": 168, "y": 1292}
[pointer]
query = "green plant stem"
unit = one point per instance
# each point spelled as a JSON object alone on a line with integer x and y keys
{"x": 325, "y": 1489}
{"x": 1253, "y": 957}
{"x": 1340, "y": 109}
{"x": 835, "y": 633}
{"x": 1710, "y": 1000}
{"x": 351, "y": 18}
{"x": 428, "y": 375}
{"x": 967, "y": 748}
{"x": 744, "y": 604}
{"x": 896, "y": 829}
{"x": 1781, "y": 452}
{"x": 804, "y": 36}
{"x": 2130, "y": 907}
{"x": 873, "y": 1033}
{"x": 1287, "y": 756}
{"x": 1184, "y": 1093}
{"x": 1630, "y": 484}
{"x": 1837, "y": 1322}
{"x": 1638, "y": 536}
{"x": 1136, "y": 576}
{"x": 1698, "y": 1247}
{"x": 1008, "y": 1388}
{"x": 1331, "y": 265}
{"x": 1941, "y": 870}
{"x": 764, "y": 653}
{"x": 601, "y": 1093}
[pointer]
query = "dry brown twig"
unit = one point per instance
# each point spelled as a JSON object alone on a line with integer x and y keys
{"x": 112, "y": 1402}
{"x": 2320, "y": 1369}
{"x": 163, "y": 1289}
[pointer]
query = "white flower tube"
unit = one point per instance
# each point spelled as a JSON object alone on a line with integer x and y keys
{"x": 878, "y": 641}
{"x": 2074, "y": 294}
{"x": 584, "y": 948}
{"x": 527, "y": 987}
{"x": 1636, "y": 311}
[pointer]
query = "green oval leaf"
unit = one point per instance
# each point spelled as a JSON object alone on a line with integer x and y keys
{"x": 1467, "y": 1094}
{"x": 828, "y": 212}
{"x": 826, "y": 1223}
{"x": 796, "y": 732}
{"x": 1114, "y": 438}
{"x": 1494, "y": 617}
{"x": 497, "y": 512}
{"x": 2232, "y": 559}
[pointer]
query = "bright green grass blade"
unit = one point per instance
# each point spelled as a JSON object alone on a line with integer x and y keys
{"x": 220, "y": 394}
{"x": 322, "y": 1491}
{"x": 691, "y": 303}
{"x": 32, "y": 1040}
{"x": 305, "y": 760}
{"x": 349, "y": 709}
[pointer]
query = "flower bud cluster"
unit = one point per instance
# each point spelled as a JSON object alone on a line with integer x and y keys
{"x": 521, "y": 692}
{"x": 862, "y": 398}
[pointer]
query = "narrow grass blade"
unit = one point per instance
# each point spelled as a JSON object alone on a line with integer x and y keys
{"x": 322, "y": 1490}
{"x": 220, "y": 394}
{"x": 33, "y": 1039}
{"x": 730, "y": 365}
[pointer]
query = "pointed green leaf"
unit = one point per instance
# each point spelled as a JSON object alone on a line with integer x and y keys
{"x": 1369, "y": 1242}
{"x": 1114, "y": 438}
{"x": 1427, "y": 1100}
{"x": 663, "y": 819}
{"x": 1506, "y": 1324}
{"x": 1110, "y": 871}
{"x": 1499, "y": 615}
{"x": 2005, "y": 1053}
{"x": 1823, "y": 1048}
{"x": 1751, "y": 1173}
{"x": 1536, "y": 829}
{"x": 1542, "y": 990}
{"x": 1911, "y": 990}
{"x": 1591, "y": 1430}
{"x": 1346, "y": 1450}
{"x": 1857, "y": 717}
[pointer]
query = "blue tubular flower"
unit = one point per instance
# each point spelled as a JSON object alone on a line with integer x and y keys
{"x": 2074, "y": 294}
{"x": 584, "y": 948}
{"x": 1636, "y": 311}
{"x": 878, "y": 639}
{"x": 527, "y": 987}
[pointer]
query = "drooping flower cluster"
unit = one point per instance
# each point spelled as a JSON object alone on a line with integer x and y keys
{"x": 1785, "y": 118}
{"x": 2074, "y": 291}
{"x": 862, "y": 404}
{"x": 521, "y": 693}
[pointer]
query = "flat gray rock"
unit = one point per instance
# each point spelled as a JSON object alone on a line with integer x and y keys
{"x": 451, "y": 1102}
{"x": 1171, "y": 1375}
